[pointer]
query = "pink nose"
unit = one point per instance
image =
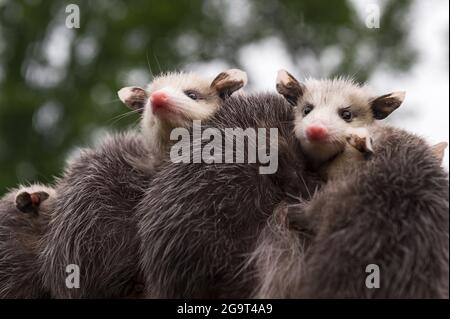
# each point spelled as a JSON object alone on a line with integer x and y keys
{"x": 158, "y": 100}
{"x": 317, "y": 133}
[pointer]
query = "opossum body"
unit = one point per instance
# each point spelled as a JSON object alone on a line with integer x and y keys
{"x": 198, "y": 222}
{"x": 24, "y": 216}
{"x": 393, "y": 213}
{"x": 93, "y": 225}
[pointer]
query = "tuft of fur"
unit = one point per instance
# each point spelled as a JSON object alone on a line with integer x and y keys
{"x": 19, "y": 237}
{"x": 93, "y": 224}
{"x": 392, "y": 213}
{"x": 199, "y": 222}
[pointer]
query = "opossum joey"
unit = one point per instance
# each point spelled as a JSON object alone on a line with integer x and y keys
{"x": 335, "y": 120}
{"x": 176, "y": 100}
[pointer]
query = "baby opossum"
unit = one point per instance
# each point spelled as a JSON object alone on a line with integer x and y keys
{"x": 392, "y": 213}
{"x": 175, "y": 100}
{"x": 199, "y": 221}
{"x": 93, "y": 224}
{"x": 317, "y": 249}
{"x": 335, "y": 120}
{"x": 24, "y": 216}
{"x": 321, "y": 248}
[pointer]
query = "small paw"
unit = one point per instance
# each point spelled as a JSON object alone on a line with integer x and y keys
{"x": 360, "y": 140}
{"x": 29, "y": 203}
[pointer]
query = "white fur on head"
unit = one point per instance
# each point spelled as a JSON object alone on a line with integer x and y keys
{"x": 328, "y": 98}
{"x": 325, "y": 102}
{"x": 185, "y": 110}
{"x": 181, "y": 108}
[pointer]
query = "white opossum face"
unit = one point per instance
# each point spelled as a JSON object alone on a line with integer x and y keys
{"x": 326, "y": 109}
{"x": 176, "y": 99}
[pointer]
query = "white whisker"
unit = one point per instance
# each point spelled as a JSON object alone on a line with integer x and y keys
{"x": 122, "y": 116}
{"x": 157, "y": 61}
{"x": 149, "y": 67}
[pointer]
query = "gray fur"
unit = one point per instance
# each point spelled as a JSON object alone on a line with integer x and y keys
{"x": 93, "y": 224}
{"x": 393, "y": 213}
{"x": 278, "y": 257}
{"x": 198, "y": 222}
{"x": 19, "y": 237}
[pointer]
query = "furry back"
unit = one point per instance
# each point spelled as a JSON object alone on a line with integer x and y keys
{"x": 93, "y": 224}
{"x": 199, "y": 222}
{"x": 19, "y": 249}
{"x": 393, "y": 213}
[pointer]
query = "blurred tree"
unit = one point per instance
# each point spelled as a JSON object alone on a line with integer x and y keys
{"x": 57, "y": 85}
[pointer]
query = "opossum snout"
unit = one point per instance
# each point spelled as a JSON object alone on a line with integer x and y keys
{"x": 158, "y": 100}
{"x": 317, "y": 133}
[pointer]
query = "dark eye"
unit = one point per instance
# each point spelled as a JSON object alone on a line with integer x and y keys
{"x": 346, "y": 115}
{"x": 307, "y": 109}
{"x": 194, "y": 95}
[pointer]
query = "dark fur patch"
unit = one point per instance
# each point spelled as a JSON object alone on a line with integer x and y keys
{"x": 384, "y": 105}
{"x": 25, "y": 204}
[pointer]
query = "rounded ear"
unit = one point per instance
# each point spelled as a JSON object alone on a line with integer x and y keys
{"x": 228, "y": 82}
{"x": 133, "y": 97}
{"x": 384, "y": 105}
{"x": 42, "y": 196}
{"x": 29, "y": 203}
{"x": 438, "y": 150}
{"x": 289, "y": 87}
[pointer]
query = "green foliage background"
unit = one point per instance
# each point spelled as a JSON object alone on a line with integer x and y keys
{"x": 136, "y": 35}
